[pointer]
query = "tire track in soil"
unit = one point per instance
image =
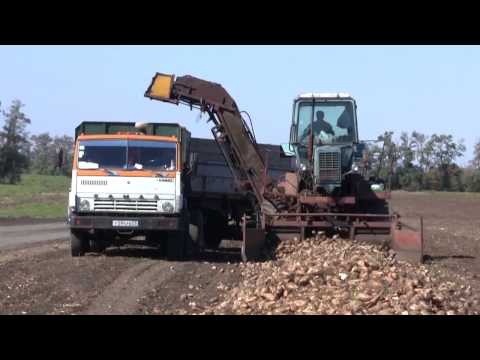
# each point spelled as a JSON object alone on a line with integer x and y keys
{"x": 122, "y": 295}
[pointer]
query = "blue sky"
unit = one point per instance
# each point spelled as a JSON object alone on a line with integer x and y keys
{"x": 431, "y": 89}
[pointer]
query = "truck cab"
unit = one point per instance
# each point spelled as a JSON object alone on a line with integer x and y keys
{"x": 127, "y": 180}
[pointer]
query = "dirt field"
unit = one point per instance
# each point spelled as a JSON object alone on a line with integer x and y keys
{"x": 42, "y": 278}
{"x": 451, "y": 227}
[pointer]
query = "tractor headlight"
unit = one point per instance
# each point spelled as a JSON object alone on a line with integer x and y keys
{"x": 355, "y": 167}
{"x": 167, "y": 206}
{"x": 84, "y": 205}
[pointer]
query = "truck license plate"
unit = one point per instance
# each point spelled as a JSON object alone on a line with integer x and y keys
{"x": 125, "y": 223}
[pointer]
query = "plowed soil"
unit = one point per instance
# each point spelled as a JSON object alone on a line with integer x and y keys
{"x": 42, "y": 277}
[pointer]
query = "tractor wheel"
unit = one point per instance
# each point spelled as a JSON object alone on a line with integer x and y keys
{"x": 379, "y": 207}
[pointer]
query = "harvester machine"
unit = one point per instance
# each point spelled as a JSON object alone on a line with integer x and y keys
{"x": 331, "y": 189}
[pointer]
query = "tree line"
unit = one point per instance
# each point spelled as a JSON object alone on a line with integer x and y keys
{"x": 411, "y": 162}
{"x": 418, "y": 161}
{"x": 21, "y": 152}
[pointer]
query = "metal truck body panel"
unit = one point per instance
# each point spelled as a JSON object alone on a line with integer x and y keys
{"x": 212, "y": 175}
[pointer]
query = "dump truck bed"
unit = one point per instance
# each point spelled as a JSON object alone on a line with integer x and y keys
{"x": 212, "y": 176}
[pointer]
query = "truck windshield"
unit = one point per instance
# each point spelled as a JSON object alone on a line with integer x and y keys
{"x": 333, "y": 122}
{"x": 127, "y": 154}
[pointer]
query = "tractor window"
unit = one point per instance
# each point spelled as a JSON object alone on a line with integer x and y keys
{"x": 333, "y": 122}
{"x": 304, "y": 121}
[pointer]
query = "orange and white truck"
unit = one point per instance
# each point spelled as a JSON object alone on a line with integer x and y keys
{"x": 127, "y": 181}
{"x": 154, "y": 182}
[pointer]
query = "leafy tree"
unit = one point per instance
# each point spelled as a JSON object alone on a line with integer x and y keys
{"x": 52, "y": 156}
{"x": 381, "y": 160}
{"x": 410, "y": 175}
{"x": 443, "y": 151}
{"x": 43, "y": 157}
{"x": 422, "y": 155}
{"x": 456, "y": 178}
{"x": 476, "y": 155}
{"x": 472, "y": 173}
{"x": 14, "y": 144}
{"x": 406, "y": 150}
{"x": 418, "y": 144}
{"x": 432, "y": 180}
{"x": 422, "y": 162}
{"x": 63, "y": 148}
{"x": 472, "y": 180}
{"x": 372, "y": 156}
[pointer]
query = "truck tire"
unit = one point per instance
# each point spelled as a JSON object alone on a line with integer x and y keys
{"x": 157, "y": 239}
{"x": 214, "y": 227}
{"x": 98, "y": 242}
{"x": 176, "y": 245}
{"x": 78, "y": 243}
{"x": 97, "y": 245}
{"x": 196, "y": 232}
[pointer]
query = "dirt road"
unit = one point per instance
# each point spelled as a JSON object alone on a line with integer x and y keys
{"x": 38, "y": 275}
{"x": 15, "y": 235}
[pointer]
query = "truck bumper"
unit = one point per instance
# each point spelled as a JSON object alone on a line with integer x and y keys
{"x": 107, "y": 222}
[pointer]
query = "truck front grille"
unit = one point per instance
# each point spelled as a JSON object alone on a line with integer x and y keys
{"x": 93, "y": 182}
{"x": 329, "y": 167}
{"x": 123, "y": 205}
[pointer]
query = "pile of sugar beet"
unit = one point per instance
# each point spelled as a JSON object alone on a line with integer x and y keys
{"x": 323, "y": 275}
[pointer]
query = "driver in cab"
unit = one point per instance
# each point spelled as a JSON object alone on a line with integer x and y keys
{"x": 321, "y": 128}
{"x": 132, "y": 160}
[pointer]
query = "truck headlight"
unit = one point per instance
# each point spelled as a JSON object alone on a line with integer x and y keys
{"x": 84, "y": 205}
{"x": 355, "y": 167}
{"x": 167, "y": 206}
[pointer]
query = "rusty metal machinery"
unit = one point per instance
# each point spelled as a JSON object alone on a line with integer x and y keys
{"x": 230, "y": 130}
{"x": 287, "y": 205}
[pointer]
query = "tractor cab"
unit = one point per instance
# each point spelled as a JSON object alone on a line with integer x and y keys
{"x": 324, "y": 139}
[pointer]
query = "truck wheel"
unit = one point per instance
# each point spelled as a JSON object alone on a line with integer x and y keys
{"x": 176, "y": 245}
{"x": 97, "y": 243}
{"x": 78, "y": 243}
{"x": 196, "y": 232}
{"x": 215, "y": 226}
{"x": 158, "y": 240}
